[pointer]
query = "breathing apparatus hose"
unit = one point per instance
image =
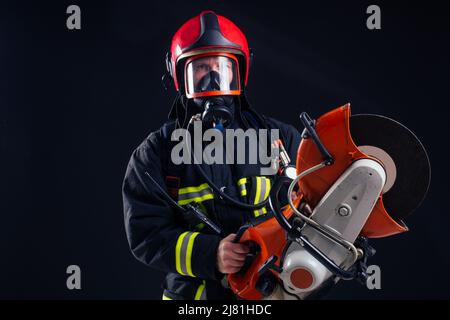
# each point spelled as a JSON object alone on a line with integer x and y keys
{"x": 215, "y": 188}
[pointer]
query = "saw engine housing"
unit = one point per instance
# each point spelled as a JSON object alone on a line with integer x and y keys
{"x": 344, "y": 209}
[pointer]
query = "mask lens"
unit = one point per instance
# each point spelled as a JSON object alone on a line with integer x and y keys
{"x": 211, "y": 75}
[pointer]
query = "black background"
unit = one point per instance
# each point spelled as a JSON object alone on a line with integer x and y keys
{"x": 74, "y": 104}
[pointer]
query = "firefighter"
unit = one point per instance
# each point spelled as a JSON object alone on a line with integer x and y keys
{"x": 209, "y": 63}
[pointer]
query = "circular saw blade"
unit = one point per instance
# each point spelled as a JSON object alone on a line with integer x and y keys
{"x": 404, "y": 157}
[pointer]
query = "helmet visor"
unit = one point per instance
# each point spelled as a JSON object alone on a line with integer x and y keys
{"x": 211, "y": 75}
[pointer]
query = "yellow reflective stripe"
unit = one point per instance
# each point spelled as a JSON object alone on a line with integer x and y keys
{"x": 257, "y": 194}
{"x": 267, "y": 188}
{"x": 164, "y": 297}
{"x": 242, "y": 181}
{"x": 258, "y": 189}
{"x": 241, "y": 184}
{"x": 198, "y": 294}
{"x": 199, "y": 226}
{"x": 198, "y": 194}
{"x": 193, "y": 189}
{"x": 264, "y": 210}
{"x": 178, "y": 252}
{"x": 189, "y": 254}
{"x": 183, "y": 253}
{"x": 208, "y": 196}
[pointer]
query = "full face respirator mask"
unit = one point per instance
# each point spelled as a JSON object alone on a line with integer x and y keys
{"x": 218, "y": 111}
{"x": 212, "y": 81}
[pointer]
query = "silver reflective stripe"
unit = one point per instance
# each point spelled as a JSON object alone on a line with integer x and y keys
{"x": 262, "y": 192}
{"x": 242, "y": 186}
{"x": 201, "y": 292}
{"x": 183, "y": 252}
{"x": 193, "y": 195}
{"x": 203, "y": 296}
{"x": 243, "y": 189}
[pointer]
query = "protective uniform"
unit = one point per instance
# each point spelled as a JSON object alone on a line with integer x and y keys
{"x": 172, "y": 241}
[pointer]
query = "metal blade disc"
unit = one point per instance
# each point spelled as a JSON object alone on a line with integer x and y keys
{"x": 406, "y": 162}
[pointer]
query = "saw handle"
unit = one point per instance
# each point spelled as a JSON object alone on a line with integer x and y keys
{"x": 309, "y": 125}
{"x": 241, "y": 232}
{"x": 327, "y": 262}
{"x": 276, "y": 206}
{"x": 254, "y": 248}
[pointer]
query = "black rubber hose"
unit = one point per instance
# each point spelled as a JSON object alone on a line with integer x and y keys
{"x": 217, "y": 190}
{"x": 275, "y": 204}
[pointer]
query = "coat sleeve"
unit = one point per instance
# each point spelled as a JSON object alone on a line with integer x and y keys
{"x": 155, "y": 234}
{"x": 290, "y": 136}
{"x": 293, "y": 138}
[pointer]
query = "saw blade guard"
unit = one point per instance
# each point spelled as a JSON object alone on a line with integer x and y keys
{"x": 333, "y": 129}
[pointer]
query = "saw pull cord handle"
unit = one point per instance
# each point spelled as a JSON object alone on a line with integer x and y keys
{"x": 309, "y": 124}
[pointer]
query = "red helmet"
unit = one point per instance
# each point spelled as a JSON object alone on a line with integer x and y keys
{"x": 208, "y": 34}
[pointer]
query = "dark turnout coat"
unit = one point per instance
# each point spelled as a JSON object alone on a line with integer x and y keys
{"x": 164, "y": 238}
